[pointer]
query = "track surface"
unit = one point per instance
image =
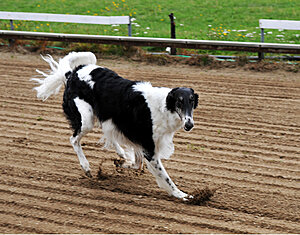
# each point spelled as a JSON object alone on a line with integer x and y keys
{"x": 245, "y": 144}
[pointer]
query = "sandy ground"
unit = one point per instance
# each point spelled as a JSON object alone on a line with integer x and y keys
{"x": 245, "y": 144}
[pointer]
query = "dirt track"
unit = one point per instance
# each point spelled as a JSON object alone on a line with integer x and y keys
{"x": 246, "y": 144}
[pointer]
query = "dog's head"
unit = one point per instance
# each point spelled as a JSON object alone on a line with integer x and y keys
{"x": 183, "y": 101}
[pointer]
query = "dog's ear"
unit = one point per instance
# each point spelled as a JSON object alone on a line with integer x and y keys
{"x": 196, "y": 97}
{"x": 170, "y": 100}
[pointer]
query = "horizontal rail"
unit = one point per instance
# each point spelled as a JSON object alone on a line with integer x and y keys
{"x": 65, "y": 18}
{"x": 158, "y": 42}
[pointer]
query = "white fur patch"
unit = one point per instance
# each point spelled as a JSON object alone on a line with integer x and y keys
{"x": 164, "y": 122}
{"x": 84, "y": 74}
{"x": 155, "y": 96}
{"x": 80, "y": 58}
{"x": 112, "y": 138}
{"x": 52, "y": 82}
{"x": 87, "y": 115}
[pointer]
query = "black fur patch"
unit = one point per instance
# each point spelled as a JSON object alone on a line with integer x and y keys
{"x": 182, "y": 98}
{"x": 112, "y": 97}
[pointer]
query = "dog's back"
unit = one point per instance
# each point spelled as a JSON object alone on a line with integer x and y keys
{"x": 113, "y": 100}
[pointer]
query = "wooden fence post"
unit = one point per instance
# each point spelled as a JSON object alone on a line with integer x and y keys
{"x": 173, "y": 34}
{"x": 11, "y": 42}
{"x": 261, "y": 55}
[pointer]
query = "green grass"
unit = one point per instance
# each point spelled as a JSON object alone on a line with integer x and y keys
{"x": 233, "y": 20}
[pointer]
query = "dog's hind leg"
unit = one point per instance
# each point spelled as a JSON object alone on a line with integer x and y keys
{"x": 75, "y": 141}
{"x": 133, "y": 158}
{"x": 81, "y": 116}
{"x": 127, "y": 154}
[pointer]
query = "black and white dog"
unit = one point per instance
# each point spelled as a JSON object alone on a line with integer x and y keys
{"x": 137, "y": 120}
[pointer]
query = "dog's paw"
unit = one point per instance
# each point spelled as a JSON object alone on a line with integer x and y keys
{"x": 88, "y": 174}
{"x": 188, "y": 198}
{"x": 181, "y": 195}
{"x": 127, "y": 164}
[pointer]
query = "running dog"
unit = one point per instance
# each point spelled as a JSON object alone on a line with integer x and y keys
{"x": 137, "y": 119}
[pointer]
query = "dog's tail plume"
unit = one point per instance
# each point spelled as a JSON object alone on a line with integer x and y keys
{"x": 51, "y": 83}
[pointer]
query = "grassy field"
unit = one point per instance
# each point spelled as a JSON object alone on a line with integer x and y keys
{"x": 233, "y": 20}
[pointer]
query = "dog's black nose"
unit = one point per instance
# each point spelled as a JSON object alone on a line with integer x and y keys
{"x": 188, "y": 126}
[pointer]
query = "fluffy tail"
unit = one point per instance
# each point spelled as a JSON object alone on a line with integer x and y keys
{"x": 51, "y": 83}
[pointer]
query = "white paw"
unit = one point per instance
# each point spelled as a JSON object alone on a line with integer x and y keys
{"x": 128, "y": 164}
{"x": 181, "y": 195}
{"x": 188, "y": 197}
{"x": 85, "y": 166}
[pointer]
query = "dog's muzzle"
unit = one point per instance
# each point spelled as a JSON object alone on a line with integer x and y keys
{"x": 188, "y": 123}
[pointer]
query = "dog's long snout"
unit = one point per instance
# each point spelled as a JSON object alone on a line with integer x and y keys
{"x": 189, "y": 123}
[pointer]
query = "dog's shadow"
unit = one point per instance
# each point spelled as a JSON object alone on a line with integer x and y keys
{"x": 124, "y": 181}
{"x": 135, "y": 183}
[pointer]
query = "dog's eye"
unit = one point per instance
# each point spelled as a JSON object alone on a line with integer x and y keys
{"x": 191, "y": 98}
{"x": 179, "y": 103}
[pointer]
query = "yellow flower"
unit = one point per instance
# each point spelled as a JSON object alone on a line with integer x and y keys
{"x": 161, "y": 19}
{"x": 48, "y": 24}
{"x": 88, "y": 11}
{"x": 38, "y": 5}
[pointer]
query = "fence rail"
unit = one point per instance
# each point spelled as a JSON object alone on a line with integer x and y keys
{"x": 64, "y": 18}
{"x": 157, "y": 42}
{"x": 81, "y": 19}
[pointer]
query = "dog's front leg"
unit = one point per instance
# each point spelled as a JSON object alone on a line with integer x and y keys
{"x": 163, "y": 180}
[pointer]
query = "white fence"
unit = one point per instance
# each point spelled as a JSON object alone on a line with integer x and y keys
{"x": 276, "y": 24}
{"x": 82, "y": 19}
{"x": 139, "y": 41}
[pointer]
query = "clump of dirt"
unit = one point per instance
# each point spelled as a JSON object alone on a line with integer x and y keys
{"x": 100, "y": 174}
{"x": 157, "y": 59}
{"x": 119, "y": 162}
{"x": 202, "y": 60}
{"x": 242, "y": 60}
{"x": 201, "y": 196}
